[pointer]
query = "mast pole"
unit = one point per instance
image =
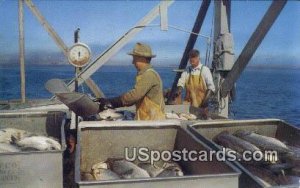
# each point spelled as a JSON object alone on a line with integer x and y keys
{"x": 77, "y": 71}
{"x": 223, "y": 55}
{"x": 21, "y": 50}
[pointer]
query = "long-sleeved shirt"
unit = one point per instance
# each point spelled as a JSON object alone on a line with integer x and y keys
{"x": 206, "y": 74}
{"x": 149, "y": 84}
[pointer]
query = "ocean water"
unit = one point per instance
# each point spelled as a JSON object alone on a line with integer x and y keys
{"x": 261, "y": 92}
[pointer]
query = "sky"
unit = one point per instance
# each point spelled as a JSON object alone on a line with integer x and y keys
{"x": 101, "y": 23}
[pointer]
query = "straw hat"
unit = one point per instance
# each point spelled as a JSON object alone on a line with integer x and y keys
{"x": 142, "y": 50}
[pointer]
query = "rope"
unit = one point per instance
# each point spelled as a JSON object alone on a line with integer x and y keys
{"x": 208, "y": 38}
{"x": 179, "y": 29}
{"x": 173, "y": 27}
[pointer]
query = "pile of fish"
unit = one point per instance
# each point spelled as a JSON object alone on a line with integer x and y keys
{"x": 114, "y": 169}
{"x": 180, "y": 116}
{"x": 113, "y": 115}
{"x": 16, "y": 140}
{"x": 271, "y": 171}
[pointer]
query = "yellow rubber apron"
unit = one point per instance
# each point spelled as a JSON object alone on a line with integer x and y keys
{"x": 146, "y": 109}
{"x": 195, "y": 89}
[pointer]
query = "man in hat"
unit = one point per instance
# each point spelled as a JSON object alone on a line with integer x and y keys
{"x": 147, "y": 93}
{"x": 198, "y": 82}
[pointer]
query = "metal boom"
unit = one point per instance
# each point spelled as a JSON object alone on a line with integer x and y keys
{"x": 114, "y": 48}
{"x": 252, "y": 44}
{"x": 89, "y": 82}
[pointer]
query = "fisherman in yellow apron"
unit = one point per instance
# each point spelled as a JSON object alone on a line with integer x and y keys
{"x": 147, "y": 93}
{"x": 197, "y": 80}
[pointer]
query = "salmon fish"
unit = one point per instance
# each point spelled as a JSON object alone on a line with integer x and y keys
{"x": 171, "y": 169}
{"x": 7, "y": 134}
{"x": 111, "y": 114}
{"x": 40, "y": 143}
{"x": 263, "y": 142}
{"x": 100, "y": 171}
{"x": 228, "y": 140}
{"x": 5, "y": 147}
{"x": 104, "y": 174}
{"x": 152, "y": 170}
{"x": 128, "y": 170}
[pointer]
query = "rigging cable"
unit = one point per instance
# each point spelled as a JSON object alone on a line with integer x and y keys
{"x": 208, "y": 38}
{"x": 140, "y": 26}
{"x": 173, "y": 27}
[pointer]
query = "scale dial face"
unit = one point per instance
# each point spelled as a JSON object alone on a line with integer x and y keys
{"x": 79, "y": 54}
